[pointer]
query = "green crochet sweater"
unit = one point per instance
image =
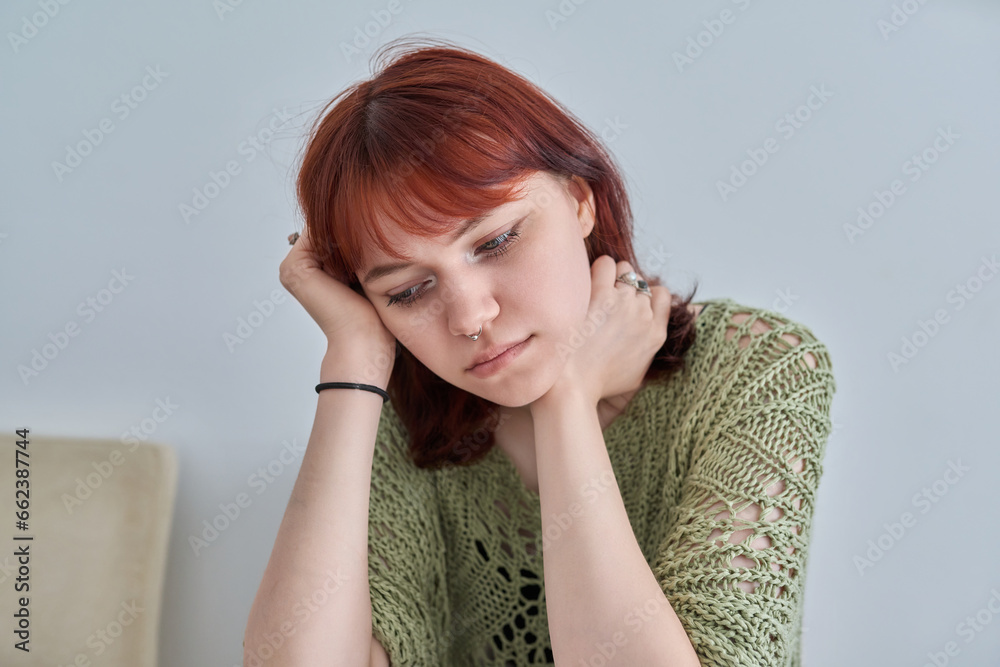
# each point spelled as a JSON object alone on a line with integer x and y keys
{"x": 455, "y": 558}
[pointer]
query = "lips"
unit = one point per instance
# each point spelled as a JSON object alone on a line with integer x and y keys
{"x": 493, "y": 353}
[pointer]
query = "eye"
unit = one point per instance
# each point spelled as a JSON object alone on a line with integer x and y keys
{"x": 504, "y": 241}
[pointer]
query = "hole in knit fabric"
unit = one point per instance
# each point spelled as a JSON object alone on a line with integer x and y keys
{"x": 748, "y": 524}
{"x": 529, "y": 597}
{"x": 503, "y": 508}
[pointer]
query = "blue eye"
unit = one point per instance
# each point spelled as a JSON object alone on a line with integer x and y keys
{"x": 505, "y": 240}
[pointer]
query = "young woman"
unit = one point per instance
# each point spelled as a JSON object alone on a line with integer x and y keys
{"x": 535, "y": 452}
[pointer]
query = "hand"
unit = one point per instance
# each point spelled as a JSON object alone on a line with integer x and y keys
{"x": 352, "y": 326}
{"x": 623, "y": 331}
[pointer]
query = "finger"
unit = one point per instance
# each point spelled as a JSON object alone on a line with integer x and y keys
{"x": 621, "y": 268}
{"x": 661, "y": 301}
{"x": 602, "y": 272}
{"x": 303, "y": 244}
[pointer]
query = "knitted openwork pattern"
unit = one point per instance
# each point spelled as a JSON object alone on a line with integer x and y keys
{"x": 718, "y": 469}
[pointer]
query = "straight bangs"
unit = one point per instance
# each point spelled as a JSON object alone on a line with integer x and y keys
{"x": 421, "y": 192}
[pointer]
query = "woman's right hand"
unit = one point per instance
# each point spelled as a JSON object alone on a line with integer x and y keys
{"x": 352, "y": 327}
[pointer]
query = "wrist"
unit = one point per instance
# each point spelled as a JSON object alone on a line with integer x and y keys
{"x": 560, "y": 397}
{"x": 337, "y": 370}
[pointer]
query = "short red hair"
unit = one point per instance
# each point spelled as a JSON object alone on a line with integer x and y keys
{"x": 439, "y": 134}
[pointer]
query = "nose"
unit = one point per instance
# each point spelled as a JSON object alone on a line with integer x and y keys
{"x": 469, "y": 304}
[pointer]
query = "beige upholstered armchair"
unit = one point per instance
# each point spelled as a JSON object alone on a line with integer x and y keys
{"x": 99, "y": 515}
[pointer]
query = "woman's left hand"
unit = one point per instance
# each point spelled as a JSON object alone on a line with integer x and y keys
{"x": 610, "y": 352}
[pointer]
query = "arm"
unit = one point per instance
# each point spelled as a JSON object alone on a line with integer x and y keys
{"x": 380, "y": 658}
{"x": 313, "y": 602}
{"x": 734, "y": 559}
{"x": 601, "y": 596}
{"x": 718, "y": 589}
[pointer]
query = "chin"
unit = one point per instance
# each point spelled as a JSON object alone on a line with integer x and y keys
{"x": 514, "y": 394}
{"x": 512, "y": 402}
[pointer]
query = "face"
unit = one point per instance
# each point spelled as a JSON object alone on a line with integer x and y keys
{"x": 521, "y": 273}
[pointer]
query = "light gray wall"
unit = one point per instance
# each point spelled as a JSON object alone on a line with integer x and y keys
{"x": 778, "y": 241}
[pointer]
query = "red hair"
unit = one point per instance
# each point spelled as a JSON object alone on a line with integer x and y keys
{"x": 441, "y": 133}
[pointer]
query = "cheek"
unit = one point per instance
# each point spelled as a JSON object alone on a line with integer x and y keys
{"x": 571, "y": 280}
{"x": 416, "y": 326}
{"x": 409, "y": 326}
{"x": 553, "y": 285}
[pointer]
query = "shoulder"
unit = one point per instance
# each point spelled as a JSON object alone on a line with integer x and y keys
{"x": 755, "y": 370}
{"x": 398, "y": 487}
{"x": 391, "y": 436}
{"x": 391, "y": 458}
{"x": 744, "y": 355}
{"x": 738, "y": 330}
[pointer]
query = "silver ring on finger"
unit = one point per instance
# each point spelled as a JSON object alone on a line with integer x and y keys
{"x": 631, "y": 278}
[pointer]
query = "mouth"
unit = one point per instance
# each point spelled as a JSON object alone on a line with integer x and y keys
{"x": 496, "y": 353}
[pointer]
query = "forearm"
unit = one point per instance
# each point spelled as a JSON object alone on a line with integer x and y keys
{"x": 601, "y": 595}
{"x": 314, "y": 596}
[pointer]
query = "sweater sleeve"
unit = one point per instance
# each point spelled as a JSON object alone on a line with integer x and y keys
{"x": 406, "y": 554}
{"x": 733, "y": 563}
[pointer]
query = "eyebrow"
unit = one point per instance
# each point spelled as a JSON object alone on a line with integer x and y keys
{"x": 383, "y": 270}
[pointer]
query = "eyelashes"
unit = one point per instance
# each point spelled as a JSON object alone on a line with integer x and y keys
{"x": 505, "y": 241}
